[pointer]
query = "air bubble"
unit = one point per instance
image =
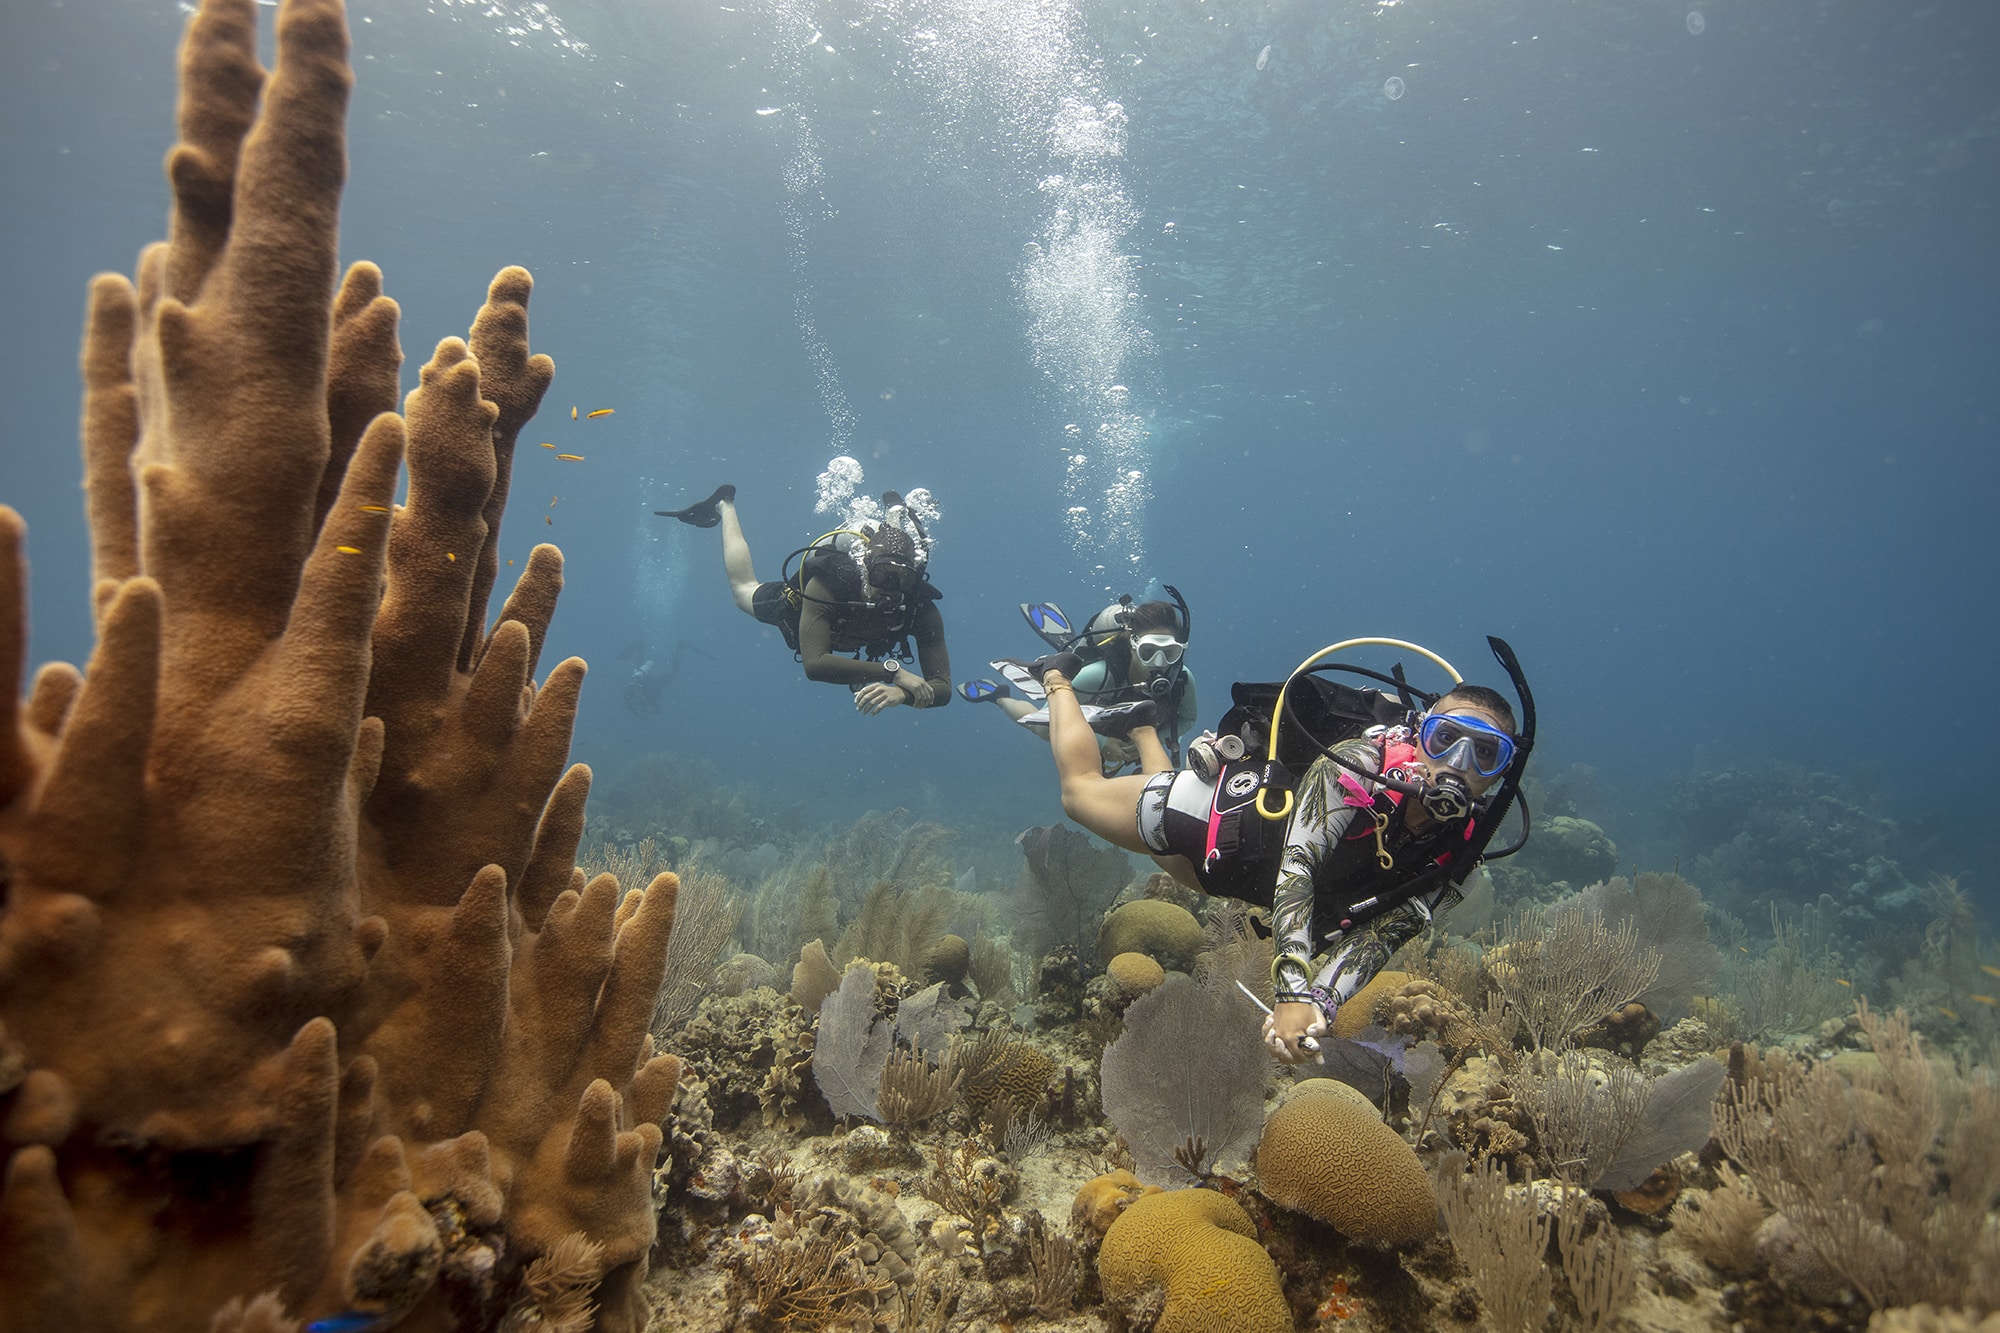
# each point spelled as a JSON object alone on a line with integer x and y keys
{"x": 1696, "y": 23}
{"x": 1392, "y": 87}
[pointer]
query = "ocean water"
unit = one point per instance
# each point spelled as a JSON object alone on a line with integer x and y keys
{"x": 1654, "y": 337}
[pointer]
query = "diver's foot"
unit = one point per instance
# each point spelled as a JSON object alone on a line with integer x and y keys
{"x": 706, "y": 514}
{"x": 983, "y": 691}
{"x": 1119, "y": 721}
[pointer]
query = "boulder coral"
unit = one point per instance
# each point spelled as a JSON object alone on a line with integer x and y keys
{"x": 1165, "y": 932}
{"x": 1200, "y": 1251}
{"x": 1136, "y": 973}
{"x": 1326, "y": 1153}
{"x": 302, "y": 990}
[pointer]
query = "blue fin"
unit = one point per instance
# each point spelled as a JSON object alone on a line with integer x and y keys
{"x": 351, "y": 1322}
{"x": 1047, "y": 619}
{"x": 980, "y": 691}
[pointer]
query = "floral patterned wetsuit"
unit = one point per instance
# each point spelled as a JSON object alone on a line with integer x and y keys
{"x": 1330, "y": 859}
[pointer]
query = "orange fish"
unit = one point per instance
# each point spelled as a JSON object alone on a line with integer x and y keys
{"x": 510, "y": 562}
{"x": 1843, "y": 981}
{"x": 547, "y": 445}
{"x": 572, "y": 414}
{"x": 600, "y": 412}
{"x": 570, "y": 458}
{"x": 1985, "y": 1000}
{"x": 1989, "y": 969}
{"x": 1947, "y": 1013}
{"x": 451, "y": 557}
{"x": 348, "y": 550}
{"x": 374, "y": 509}
{"x": 553, "y": 499}
{"x": 546, "y": 519}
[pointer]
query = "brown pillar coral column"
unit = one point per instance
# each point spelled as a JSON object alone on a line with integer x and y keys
{"x": 299, "y": 990}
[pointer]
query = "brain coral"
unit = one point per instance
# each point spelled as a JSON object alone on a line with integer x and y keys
{"x": 1326, "y": 1153}
{"x": 1359, "y": 1012}
{"x": 1136, "y": 972}
{"x": 1202, "y": 1250}
{"x": 1166, "y": 932}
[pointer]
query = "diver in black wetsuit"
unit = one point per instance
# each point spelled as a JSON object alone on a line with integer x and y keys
{"x": 859, "y": 591}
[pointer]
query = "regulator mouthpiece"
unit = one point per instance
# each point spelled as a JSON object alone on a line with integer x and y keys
{"x": 1447, "y": 798}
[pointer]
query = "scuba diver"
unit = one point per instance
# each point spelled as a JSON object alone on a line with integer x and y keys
{"x": 648, "y": 680}
{"x": 858, "y": 590}
{"x": 1135, "y": 675}
{"x": 1400, "y": 795}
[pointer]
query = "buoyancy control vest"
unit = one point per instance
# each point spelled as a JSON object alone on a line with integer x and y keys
{"x": 834, "y": 561}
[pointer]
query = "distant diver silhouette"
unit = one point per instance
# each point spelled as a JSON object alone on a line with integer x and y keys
{"x": 649, "y": 680}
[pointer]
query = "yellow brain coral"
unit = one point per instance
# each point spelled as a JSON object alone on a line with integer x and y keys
{"x": 1136, "y": 972}
{"x": 1359, "y": 1012}
{"x": 1326, "y": 1153}
{"x": 1163, "y": 931}
{"x": 1202, "y": 1250}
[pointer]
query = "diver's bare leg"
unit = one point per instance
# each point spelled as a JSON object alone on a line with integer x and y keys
{"x": 1152, "y": 755}
{"x": 1015, "y": 708}
{"x": 736, "y": 559}
{"x": 1108, "y": 807}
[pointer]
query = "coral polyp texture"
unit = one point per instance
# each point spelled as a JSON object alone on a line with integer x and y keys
{"x": 301, "y": 990}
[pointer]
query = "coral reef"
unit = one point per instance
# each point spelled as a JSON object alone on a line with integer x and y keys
{"x": 307, "y": 994}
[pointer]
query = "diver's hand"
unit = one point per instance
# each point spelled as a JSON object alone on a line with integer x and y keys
{"x": 872, "y": 699}
{"x": 1293, "y": 1030}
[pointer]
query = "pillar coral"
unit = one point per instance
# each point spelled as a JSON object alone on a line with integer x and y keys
{"x": 300, "y": 989}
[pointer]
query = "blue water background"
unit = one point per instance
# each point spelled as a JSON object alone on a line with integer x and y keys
{"x": 1668, "y": 355}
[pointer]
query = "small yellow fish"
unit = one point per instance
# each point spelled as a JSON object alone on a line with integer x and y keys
{"x": 510, "y": 562}
{"x": 570, "y": 458}
{"x": 1989, "y": 969}
{"x": 1947, "y": 1013}
{"x": 1843, "y": 981}
{"x": 1741, "y": 949}
{"x": 451, "y": 557}
{"x": 553, "y": 499}
{"x": 600, "y": 412}
{"x": 547, "y": 445}
{"x": 348, "y": 550}
{"x": 374, "y": 509}
{"x": 1985, "y": 1000}
{"x": 572, "y": 414}
{"x": 546, "y": 519}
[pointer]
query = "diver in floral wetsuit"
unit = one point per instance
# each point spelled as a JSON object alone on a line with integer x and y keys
{"x": 1347, "y": 835}
{"x": 1352, "y": 839}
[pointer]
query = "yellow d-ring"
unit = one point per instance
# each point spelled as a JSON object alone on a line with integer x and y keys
{"x": 1278, "y": 712}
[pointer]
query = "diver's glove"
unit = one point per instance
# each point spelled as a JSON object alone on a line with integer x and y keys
{"x": 1067, "y": 663}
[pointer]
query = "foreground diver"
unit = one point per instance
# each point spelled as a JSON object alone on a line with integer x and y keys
{"x": 858, "y": 590}
{"x": 1391, "y": 816}
{"x": 1135, "y": 674}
